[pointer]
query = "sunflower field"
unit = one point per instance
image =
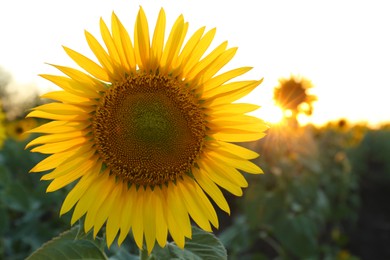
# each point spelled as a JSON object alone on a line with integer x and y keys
{"x": 322, "y": 196}
{"x": 146, "y": 153}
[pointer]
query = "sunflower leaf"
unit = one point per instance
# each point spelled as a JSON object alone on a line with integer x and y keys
{"x": 203, "y": 245}
{"x": 66, "y": 246}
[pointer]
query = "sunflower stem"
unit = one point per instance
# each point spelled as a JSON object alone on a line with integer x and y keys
{"x": 143, "y": 254}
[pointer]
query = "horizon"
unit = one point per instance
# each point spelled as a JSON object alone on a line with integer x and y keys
{"x": 342, "y": 50}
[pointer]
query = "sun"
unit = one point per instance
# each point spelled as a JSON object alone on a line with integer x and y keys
{"x": 270, "y": 113}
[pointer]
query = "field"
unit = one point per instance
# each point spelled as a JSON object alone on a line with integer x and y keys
{"x": 323, "y": 195}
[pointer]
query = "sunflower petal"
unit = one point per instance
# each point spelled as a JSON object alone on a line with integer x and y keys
{"x": 123, "y": 44}
{"x": 104, "y": 59}
{"x": 138, "y": 221}
{"x": 198, "y": 52}
{"x": 173, "y": 44}
{"x": 186, "y": 189}
{"x": 158, "y": 40}
{"x": 141, "y": 40}
{"x": 114, "y": 218}
{"x": 161, "y": 225}
{"x": 128, "y": 213}
{"x": 149, "y": 215}
{"x": 212, "y": 190}
{"x": 88, "y": 65}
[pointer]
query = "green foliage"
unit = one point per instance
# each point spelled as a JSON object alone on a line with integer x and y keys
{"x": 72, "y": 245}
{"x": 306, "y": 206}
{"x": 28, "y": 216}
{"x": 203, "y": 245}
{"x": 306, "y": 202}
{"x": 66, "y": 246}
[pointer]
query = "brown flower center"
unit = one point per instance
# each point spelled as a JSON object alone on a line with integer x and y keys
{"x": 149, "y": 129}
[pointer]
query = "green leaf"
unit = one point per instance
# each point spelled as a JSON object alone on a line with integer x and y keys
{"x": 298, "y": 234}
{"x": 5, "y": 176}
{"x": 4, "y": 220}
{"x": 16, "y": 197}
{"x": 203, "y": 245}
{"x": 65, "y": 246}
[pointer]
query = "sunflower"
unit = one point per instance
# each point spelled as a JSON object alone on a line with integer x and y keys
{"x": 146, "y": 133}
{"x": 17, "y": 129}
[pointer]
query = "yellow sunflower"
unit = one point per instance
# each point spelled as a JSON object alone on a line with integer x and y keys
{"x": 147, "y": 132}
{"x": 17, "y": 129}
{"x": 3, "y": 134}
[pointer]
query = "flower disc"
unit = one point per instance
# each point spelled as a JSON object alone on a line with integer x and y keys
{"x": 148, "y": 129}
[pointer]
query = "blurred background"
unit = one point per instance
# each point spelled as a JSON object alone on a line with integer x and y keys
{"x": 325, "y": 157}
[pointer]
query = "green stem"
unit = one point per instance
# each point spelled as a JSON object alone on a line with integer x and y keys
{"x": 143, "y": 254}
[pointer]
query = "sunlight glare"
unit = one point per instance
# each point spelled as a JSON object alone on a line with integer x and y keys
{"x": 270, "y": 113}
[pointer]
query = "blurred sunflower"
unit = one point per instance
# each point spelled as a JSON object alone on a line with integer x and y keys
{"x": 147, "y": 132}
{"x": 3, "y": 134}
{"x": 292, "y": 95}
{"x": 17, "y": 129}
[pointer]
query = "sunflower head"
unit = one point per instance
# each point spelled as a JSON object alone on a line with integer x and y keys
{"x": 147, "y": 132}
{"x": 18, "y": 129}
{"x": 3, "y": 134}
{"x": 292, "y": 95}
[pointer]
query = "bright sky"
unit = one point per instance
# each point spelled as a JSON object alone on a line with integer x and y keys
{"x": 343, "y": 47}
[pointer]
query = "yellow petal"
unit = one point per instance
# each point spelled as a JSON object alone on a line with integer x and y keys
{"x": 94, "y": 194}
{"x": 123, "y": 43}
{"x": 114, "y": 218}
{"x": 212, "y": 190}
{"x": 63, "y": 109}
{"x": 60, "y": 146}
{"x": 232, "y": 135}
{"x": 206, "y": 61}
{"x": 73, "y": 163}
{"x": 186, "y": 190}
{"x": 56, "y": 127}
{"x": 229, "y": 92}
{"x": 76, "y": 193}
{"x": 66, "y": 97}
{"x": 149, "y": 215}
{"x": 228, "y": 110}
{"x": 109, "y": 42}
{"x": 178, "y": 220}
{"x": 102, "y": 56}
{"x": 241, "y": 164}
{"x": 207, "y": 169}
{"x": 52, "y": 138}
{"x": 234, "y": 150}
{"x": 188, "y": 49}
{"x": 138, "y": 221}
{"x": 161, "y": 224}
{"x": 71, "y": 86}
{"x": 174, "y": 42}
{"x": 65, "y": 178}
{"x": 88, "y": 65}
{"x": 97, "y": 201}
{"x": 57, "y": 159}
{"x": 84, "y": 79}
{"x": 218, "y": 63}
{"x": 106, "y": 209}
{"x": 75, "y": 117}
{"x": 158, "y": 40}
{"x": 128, "y": 213}
{"x": 208, "y": 208}
{"x": 240, "y": 122}
{"x": 217, "y": 81}
{"x": 141, "y": 40}
{"x": 198, "y": 51}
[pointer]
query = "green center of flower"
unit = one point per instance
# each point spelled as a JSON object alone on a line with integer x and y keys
{"x": 149, "y": 129}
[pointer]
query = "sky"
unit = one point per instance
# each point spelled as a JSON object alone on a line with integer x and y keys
{"x": 343, "y": 47}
